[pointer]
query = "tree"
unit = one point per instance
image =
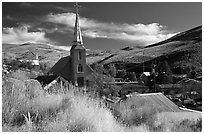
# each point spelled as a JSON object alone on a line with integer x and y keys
{"x": 113, "y": 70}
{"x": 168, "y": 72}
{"x": 164, "y": 73}
{"x": 132, "y": 76}
{"x": 192, "y": 73}
{"x": 98, "y": 68}
{"x": 121, "y": 74}
{"x": 102, "y": 84}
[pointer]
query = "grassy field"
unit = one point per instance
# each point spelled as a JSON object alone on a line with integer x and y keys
{"x": 26, "y": 107}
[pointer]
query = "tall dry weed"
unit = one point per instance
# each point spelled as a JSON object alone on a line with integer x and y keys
{"x": 27, "y": 107}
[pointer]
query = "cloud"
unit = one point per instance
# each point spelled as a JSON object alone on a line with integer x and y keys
{"x": 26, "y": 5}
{"x": 65, "y": 9}
{"x": 20, "y": 35}
{"x": 9, "y": 18}
{"x": 143, "y": 33}
{"x": 47, "y": 6}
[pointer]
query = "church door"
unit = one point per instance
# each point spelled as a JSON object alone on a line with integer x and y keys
{"x": 80, "y": 81}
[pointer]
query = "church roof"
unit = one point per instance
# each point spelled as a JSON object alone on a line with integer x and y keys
{"x": 89, "y": 69}
{"x": 63, "y": 68}
{"x": 46, "y": 79}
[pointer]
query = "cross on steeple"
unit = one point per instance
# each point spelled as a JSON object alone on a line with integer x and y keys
{"x": 77, "y": 38}
{"x": 77, "y": 7}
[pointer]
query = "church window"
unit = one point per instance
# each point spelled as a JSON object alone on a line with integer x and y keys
{"x": 80, "y": 55}
{"x": 80, "y": 68}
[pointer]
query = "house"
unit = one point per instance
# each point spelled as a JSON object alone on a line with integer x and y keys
{"x": 169, "y": 89}
{"x": 191, "y": 88}
{"x": 162, "y": 103}
{"x": 158, "y": 99}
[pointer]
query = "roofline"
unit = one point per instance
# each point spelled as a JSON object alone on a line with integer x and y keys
{"x": 150, "y": 94}
{"x": 190, "y": 110}
{"x": 186, "y": 80}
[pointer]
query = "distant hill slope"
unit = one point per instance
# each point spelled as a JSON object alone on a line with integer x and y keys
{"x": 194, "y": 34}
{"x": 28, "y": 52}
{"x": 183, "y": 48}
{"x": 47, "y": 53}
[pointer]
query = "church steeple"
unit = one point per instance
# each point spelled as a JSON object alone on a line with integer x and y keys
{"x": 73, "y": 68}
{"x": 77, "y": 38}
{"x": 78, "y": 55}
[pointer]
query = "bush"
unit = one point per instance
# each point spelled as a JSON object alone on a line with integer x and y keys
{"x": 44, "y": 67}
{"x": 176, "y": 122}
{"x": 85, "y": 114}
{"x": 189, "y": 126}
{"x": 14, "y": 64}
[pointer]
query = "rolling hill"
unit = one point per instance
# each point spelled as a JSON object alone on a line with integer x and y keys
{"x": 183, "y": 49}
{"x": 28, "y": 51}
{"x": 47, "y": 53}
{"x": 190, "y": 40}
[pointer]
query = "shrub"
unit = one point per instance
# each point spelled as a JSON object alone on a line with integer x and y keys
{"x": 44, "y": 67}
{"x": 20, "y": 75}
{"x": 15, "y": 64}
{"x": 176, "y": 121}
{"x": 85, "y": 114}
{"x": 188, "y": 126}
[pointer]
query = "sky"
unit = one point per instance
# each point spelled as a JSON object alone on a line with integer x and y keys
{"x": 104, "y": 25}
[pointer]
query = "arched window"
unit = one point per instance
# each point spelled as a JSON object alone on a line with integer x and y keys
{"x": 80, "y": 55}
{"x": 80, "y": 68}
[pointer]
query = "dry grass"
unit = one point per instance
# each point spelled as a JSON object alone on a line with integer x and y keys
{"x": 26, "y": 108}
{"x": 173, "y": 121}
{"x": 136, "y": 111}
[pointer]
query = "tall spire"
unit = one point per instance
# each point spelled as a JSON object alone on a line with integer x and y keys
{"x": 77, "y": 38}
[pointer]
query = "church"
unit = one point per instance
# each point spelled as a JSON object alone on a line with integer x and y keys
{"x": 72, "y": 68}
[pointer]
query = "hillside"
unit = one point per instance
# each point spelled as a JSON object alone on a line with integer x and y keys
{"x": 186, "y": 41}
{"x": 194, "y": 34}
{"x": 47, "y": 53}
{"x": 181, "y": 50}
{"x": 28, "y": 51}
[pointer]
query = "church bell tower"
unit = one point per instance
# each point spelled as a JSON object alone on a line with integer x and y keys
{"x": 78, "y": 55}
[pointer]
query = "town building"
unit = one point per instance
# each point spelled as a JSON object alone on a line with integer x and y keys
{"x": 72, "y": 68}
